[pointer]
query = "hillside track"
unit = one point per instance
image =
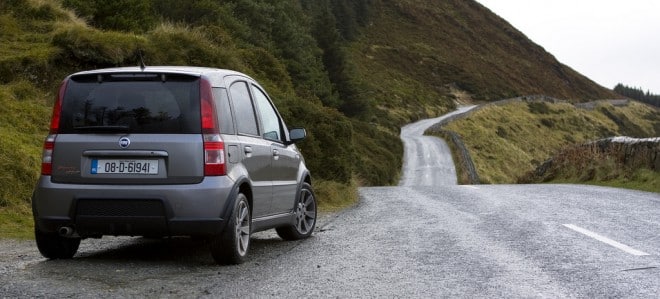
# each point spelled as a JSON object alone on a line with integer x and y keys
{"x": 426, "y": 238}
{"x": 427, "y": 159}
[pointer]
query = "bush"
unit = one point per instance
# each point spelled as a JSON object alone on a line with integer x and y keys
{"x": 123, "y": 15}
{"x": 165, "y": 48}
{"x": 378, "y": 156}
{"x": 539, "y": 108}
{"x": 548, "y": 122}
{"x": 83, "y": 47}
{"x": 329, "y": 149}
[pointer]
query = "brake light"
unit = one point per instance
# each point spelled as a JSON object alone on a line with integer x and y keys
{"x": 47, "y": 156}
{"x": 214, "y": 147}
{"x": 49, "y": 143}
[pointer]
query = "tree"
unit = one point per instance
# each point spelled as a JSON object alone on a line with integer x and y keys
{"x": 328, "y": 19}
{"x": 638, "y": 94}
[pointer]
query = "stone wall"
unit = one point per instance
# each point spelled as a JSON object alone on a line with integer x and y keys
{"x": 632, "y": 153}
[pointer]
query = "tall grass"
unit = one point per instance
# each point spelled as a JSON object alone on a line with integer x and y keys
{"x": 603, "y": 163}
{"x": 23, "y": 124}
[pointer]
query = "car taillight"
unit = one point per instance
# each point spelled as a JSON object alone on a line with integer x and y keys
{"x": 214, "y": 155}
{"x": 214, "y": 147}
{"x": 49, "y": 143}
{"x": 47, "y": 156}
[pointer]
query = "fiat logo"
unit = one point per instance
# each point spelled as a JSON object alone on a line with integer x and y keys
{"x": 124, "y": 142}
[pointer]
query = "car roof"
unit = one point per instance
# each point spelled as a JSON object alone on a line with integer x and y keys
{"x": 188, "y": 70}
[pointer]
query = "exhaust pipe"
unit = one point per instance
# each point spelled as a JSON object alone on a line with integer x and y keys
{"x": 65, "y": 231}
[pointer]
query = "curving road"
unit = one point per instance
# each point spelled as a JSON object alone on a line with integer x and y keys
{"x": 427, "y": 160}
{"x": 427, "y": 238}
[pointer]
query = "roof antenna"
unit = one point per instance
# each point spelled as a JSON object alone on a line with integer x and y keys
{"x": 142, "y": 65}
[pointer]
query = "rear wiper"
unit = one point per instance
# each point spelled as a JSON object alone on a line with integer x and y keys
{"x": 104, "y": 129}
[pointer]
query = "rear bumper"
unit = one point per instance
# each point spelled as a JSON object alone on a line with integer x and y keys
{"x": 117, "y": 226}
{"x": 153, "y": 210}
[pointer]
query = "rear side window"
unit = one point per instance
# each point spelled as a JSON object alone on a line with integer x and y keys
{"x": 246, "y": 120}
{"x": 226, "y": 120}
{"x": 135, "y": 103}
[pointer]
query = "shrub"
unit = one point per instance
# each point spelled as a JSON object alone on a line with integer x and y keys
{"x": 164, "y": 47}
{"x": 538, "y": 107}
{"x": 90, "y": 48}
{"x": 329, "y": 147}
{"x": 548, "y": 122}
{"x": 123, "y": 15}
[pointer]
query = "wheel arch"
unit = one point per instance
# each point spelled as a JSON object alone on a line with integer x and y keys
{"x": 242, "y": 185}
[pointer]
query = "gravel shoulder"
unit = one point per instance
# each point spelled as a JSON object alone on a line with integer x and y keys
{"x": 135, "y": 266}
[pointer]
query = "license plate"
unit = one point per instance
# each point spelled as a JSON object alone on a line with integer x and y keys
{"x": 124, "y": 166}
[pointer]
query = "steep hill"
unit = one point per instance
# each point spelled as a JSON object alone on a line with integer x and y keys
{"x": 416, "y": 55}
{"x": 351, "y": 71}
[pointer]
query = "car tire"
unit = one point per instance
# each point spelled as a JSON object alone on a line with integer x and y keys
{"x": 53, "y": 246}
{"x": 232, "y": 245}
{"x": 305, "y": 216}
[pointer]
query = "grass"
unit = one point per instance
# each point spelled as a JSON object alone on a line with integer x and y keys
{"x": 641, "y": 179}
{"x": 16, "y": 223}
{"x": 333, "y": 196}
{"x": 508, "y": 141}
{"x": 621, "y": 165}
{"x": 23, "y": 126}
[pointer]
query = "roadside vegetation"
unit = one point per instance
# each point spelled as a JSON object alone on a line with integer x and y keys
{"x": 24, "y": 117}
{"x": 632, "y": 164}
{"x": 507, "y": 142}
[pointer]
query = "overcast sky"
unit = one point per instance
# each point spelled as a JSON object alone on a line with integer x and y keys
{"x": 608, "y": 41}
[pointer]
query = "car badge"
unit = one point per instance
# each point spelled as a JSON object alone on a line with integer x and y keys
{"x": 124, "y": 142}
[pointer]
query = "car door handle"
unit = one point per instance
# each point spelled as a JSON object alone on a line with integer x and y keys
{"x": 248, "y": 150}
{"x": 276, "y": 153}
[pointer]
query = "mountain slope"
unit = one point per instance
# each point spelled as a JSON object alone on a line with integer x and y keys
{"x": 414, "y": 53}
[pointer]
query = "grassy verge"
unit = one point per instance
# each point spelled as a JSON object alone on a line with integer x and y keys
{"x": 16, "y": 223}
{"x": 643, "y": 180}
{"x": 333, "y": 196}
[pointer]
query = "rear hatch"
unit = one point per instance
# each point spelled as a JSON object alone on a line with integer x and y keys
{"x": 129, "y": 128}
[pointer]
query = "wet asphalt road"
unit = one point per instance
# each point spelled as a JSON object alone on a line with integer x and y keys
{"x": 421, "y": 239}
{"x": 427, "y": 160}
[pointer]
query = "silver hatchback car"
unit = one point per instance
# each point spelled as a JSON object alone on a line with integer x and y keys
{"x": 169, "y": 151}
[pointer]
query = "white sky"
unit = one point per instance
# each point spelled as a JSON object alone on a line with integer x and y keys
{"x": 609, "y": 41}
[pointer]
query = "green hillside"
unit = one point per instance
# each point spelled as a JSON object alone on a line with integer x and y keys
{"x": 509, "y": 141}
{"x": 350, "y": 71}
{"x": 419, "y": 56}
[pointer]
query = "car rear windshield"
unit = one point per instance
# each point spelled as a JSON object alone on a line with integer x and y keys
{"x": 131, "y": 103}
